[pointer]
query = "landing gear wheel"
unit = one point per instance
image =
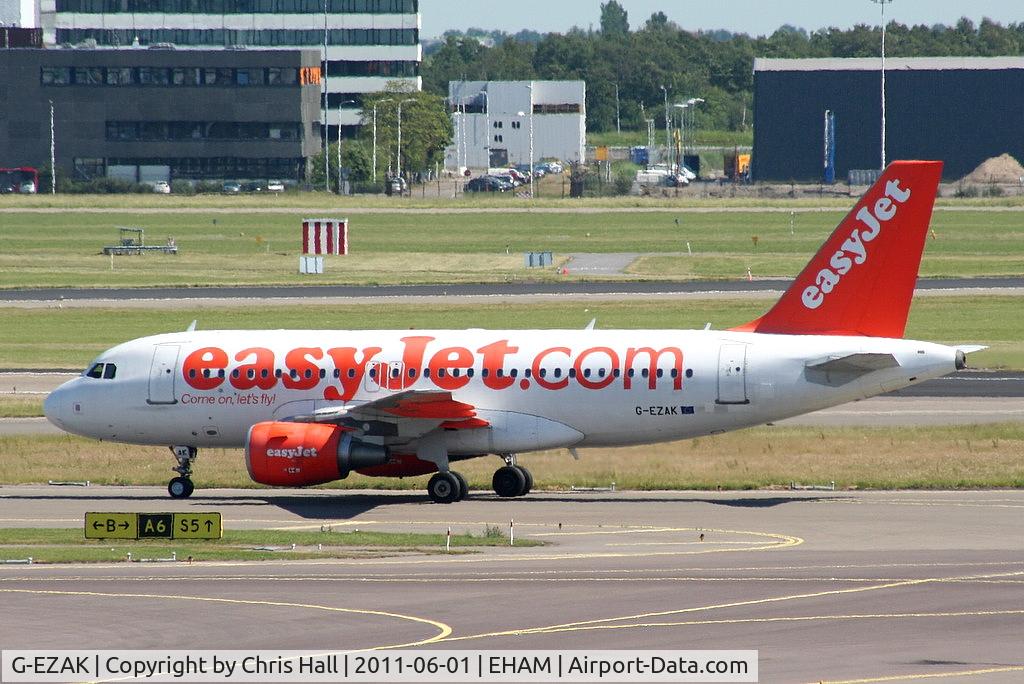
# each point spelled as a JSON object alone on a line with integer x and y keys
{"x": 463, "y": 485}
{"x": 509, "y": 481}
{"x": 529, "y": 479}
{"x": 444, "y": 488}
{"x": 180, "y": 488}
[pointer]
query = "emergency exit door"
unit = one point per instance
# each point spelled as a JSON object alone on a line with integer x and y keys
{"x": 732, "y": 374}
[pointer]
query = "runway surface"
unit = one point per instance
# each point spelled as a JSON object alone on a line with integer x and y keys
{"x": 462, "y": 290}
{"x": 827, "y": 586}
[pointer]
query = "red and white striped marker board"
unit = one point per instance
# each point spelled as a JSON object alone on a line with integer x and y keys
{"x": 325, "y": 236}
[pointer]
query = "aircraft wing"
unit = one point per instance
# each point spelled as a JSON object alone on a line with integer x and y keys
{"x": 405, "y": 414}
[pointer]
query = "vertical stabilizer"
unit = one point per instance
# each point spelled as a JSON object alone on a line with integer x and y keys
{"x": 862, "y": 279}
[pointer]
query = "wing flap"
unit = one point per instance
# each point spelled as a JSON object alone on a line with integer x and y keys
{"x": 407, "y": 414}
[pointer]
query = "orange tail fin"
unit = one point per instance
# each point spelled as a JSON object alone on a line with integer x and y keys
{"x": 862, "y": 279}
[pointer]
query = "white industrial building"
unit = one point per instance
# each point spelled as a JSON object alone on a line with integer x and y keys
{"x": 22, "y": 13}
{"x": 369, "y": 43}
{"x": 492, "y": 122}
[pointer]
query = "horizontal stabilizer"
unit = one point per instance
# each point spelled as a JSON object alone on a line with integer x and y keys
{"x": 854, "y": 364}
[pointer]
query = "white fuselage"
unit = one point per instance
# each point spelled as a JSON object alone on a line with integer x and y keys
{"x": 537, "y": 389}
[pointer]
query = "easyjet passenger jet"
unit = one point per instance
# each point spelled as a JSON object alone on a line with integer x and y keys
{"x": 311, "y": 406}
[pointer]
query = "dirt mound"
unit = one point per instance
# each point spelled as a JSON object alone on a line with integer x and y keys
{"x": 1001, "y": 169}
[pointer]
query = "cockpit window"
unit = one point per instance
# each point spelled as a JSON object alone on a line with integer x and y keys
{"x": 106, "y": 371}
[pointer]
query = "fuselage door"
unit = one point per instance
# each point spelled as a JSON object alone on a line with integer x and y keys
{"x": 381, "y": 374}
{"x": 732, "y": 374}
{"x": 162, "y": 374}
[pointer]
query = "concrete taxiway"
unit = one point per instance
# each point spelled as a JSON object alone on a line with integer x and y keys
{"x": 826, "y": 585}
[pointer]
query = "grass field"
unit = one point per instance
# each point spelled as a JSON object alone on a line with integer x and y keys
{"x": 884, "y": 458}
{"x": 18, "y": 406}
{"x": 47, "y": 545}
{"x": 64, "y": 249}
{"x": 71, "y": 337}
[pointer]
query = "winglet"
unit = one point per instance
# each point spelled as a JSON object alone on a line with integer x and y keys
{"x": 862, "y": 279}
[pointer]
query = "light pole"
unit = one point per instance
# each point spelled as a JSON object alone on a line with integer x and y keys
{"x": 53, "y": 156}
{"x": 327, "y": 160}
{"x": 340, "y": 105}
{"x": 668, "y": 134}
{"x": 882, "y": 4}
{"x": 375, "y": 135}
{"x": 523, "y": 115}
{"x": 692, "y": 104}
{"x": 682, "y": 129}
{"x": 487, "y": 130}
{"x": 532, "y": 179}
{"x": 398, "y": 165}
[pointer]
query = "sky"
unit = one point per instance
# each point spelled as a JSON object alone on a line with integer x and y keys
{"x": 756, "y": 17}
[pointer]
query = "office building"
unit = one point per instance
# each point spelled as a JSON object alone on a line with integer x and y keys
{"x": 491, "y": 120}
{"x": 368, "y": 42}
{"x": 158, "y": 114}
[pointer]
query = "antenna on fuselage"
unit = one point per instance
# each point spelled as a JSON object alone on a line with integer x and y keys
{"x": 191, "y": 326}
{"x": 591, "y": 324}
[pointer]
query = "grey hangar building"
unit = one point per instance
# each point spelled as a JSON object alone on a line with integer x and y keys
{"x": 961, "y": 110}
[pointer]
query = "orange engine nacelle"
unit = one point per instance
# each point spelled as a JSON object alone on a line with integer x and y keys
{"x": 300, "y": 454}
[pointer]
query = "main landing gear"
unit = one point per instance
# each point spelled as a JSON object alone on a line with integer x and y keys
{"x": 181, "y": 487}
{"x": 512, "y": 479}
{"x": 447, "y": 487}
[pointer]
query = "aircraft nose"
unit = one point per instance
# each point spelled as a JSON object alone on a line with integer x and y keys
{"x": 53, "y": 406}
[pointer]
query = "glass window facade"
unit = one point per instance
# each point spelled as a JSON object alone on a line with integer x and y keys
{"x": 373, "y": 68}
{"x": 239, "y": 6}
{"x": 175, "y": 76}
{"x": 202, "y": 131}
{"x": 197, "y": 168}
{"x": 229, "y": 37}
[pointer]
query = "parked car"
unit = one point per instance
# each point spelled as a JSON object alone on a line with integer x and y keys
{"x": 28, "y": 187}
{"x": 520, "y": 177}
{"x": 550, "y": 167}
{"x": 395, "y": 185}
{"x": 253, "y": 186}
{"x": 231, "y": 187}
{"x": 507, "y": 178}
{"x": 487, "y": 184}
{"x": 161, "y": 187}
{"x": 275, "y": 186}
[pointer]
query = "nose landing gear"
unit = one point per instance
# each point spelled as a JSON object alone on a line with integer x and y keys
{"x": 181, "y": 487}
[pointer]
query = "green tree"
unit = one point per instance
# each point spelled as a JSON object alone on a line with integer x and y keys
{"x": 355, "y": 158}
{"x": 426, "y": 128}
{"x": 614, "y": 20}
{"x": 657, "y": 22}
